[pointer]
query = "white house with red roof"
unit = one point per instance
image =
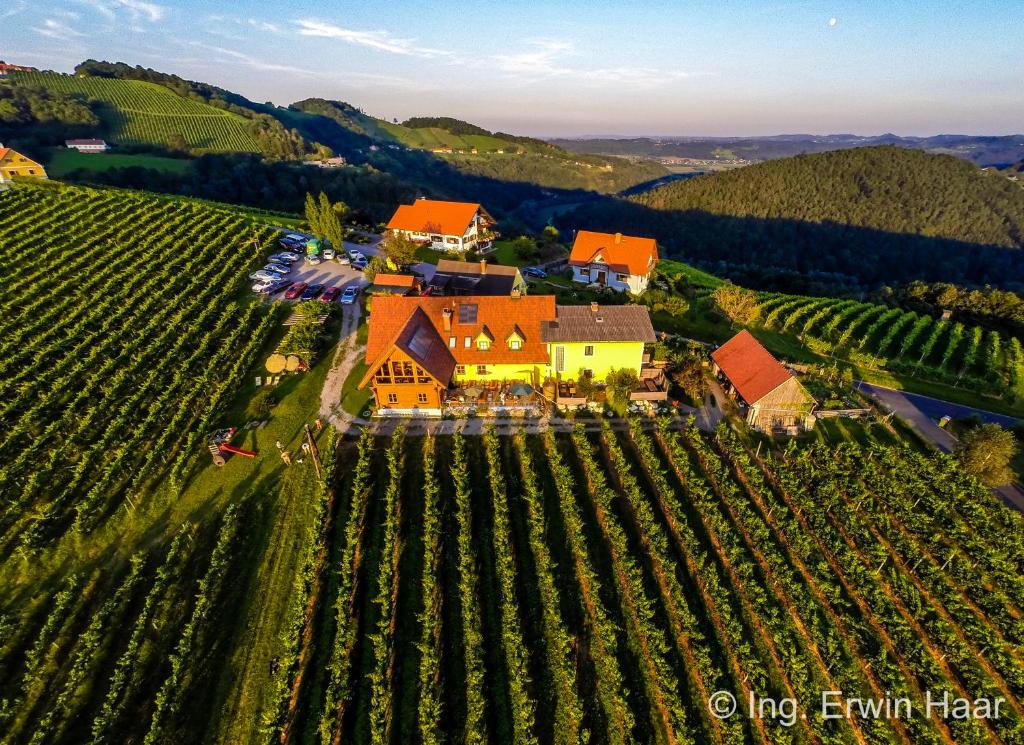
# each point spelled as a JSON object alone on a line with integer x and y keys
{"x": 446, "y": 226}
{"x": 772, "y": 397}
{"x": 87, "y": 145}
{"x": 622, "y": 262}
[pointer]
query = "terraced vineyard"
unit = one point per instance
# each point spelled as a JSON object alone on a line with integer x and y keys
{"x": 134, "y": 111}
{"x": 120, "y": 342}
{"x": 882, "y": 337}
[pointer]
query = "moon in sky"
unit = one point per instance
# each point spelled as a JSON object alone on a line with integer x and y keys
{"x": 832, "y": 22}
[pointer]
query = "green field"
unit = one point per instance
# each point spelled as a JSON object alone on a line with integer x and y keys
{"x": 64, "y": 161}
{"x": 134, "y": 111}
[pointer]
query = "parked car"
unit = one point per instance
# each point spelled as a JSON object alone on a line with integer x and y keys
{"x": 264, "y": 275}
{"x": 330, "y": 253}
{"x": 295, "y": 290}
{"x": 343, "y": 259}
{"x": 356, "y": 255}
{"x": 276, "y": 286}
{"x": 269, "y": 287}
{"x": 330, "y": 294}
{"x": 535, "y": 271}
{"x": 311, "y": 292}
{"x": 292, "y": 245}
{"x": 278, "y": 268}
{"x": 359, "y": 263}
{"x": 314, "y": 260}
{"x": 284, "y": 257}
{"x": 348, "y": 297}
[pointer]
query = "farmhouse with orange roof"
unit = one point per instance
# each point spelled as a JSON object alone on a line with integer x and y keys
{"x": 621, "y": 262}
{"x": 14, "y": 164}
{"x": 445, "y": 226}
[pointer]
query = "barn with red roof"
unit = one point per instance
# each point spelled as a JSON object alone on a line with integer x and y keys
{"x": 772, "y": 397}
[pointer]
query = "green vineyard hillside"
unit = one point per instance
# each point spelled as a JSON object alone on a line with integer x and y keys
{"x": 879, "y": 336}
{"x": 121, "y": 341}
{"x": 138, "y": 112}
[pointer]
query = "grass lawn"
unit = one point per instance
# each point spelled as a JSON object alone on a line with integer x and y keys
{"x": 63, "y": 161}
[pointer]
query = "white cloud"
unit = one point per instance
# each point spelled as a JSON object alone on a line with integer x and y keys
{"x": 54, "y": 29}
{"x": 380, "y": 40}
{"x": 272, "y": 28}
{"x": 547, "y": 58}
{"x": 135, "y": 10}
{"x": 141, "y": 9}
{"x": 255, "y": 63}
{"x": 13, "y": 8}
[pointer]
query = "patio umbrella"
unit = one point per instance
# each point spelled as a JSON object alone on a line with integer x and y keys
{"x": 521, "y": 389}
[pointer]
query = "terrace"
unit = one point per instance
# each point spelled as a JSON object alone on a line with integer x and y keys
{"x": 653, "y": 387}
{"x": 492, "y": 398}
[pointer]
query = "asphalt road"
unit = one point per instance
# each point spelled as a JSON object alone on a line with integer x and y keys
{"x": 923, "y": 412}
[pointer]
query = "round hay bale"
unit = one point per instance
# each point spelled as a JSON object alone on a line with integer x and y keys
{"x": 292, "y": 363}
{"x": 276, "y": 363}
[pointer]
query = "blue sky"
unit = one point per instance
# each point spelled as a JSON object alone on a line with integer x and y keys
{"x": 574, "y": 68}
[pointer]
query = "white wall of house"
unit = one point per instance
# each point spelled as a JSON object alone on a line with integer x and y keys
{"x": 445, "y": 242}
{"x": 89, "y": 148}
{"x": 600, "y": 273}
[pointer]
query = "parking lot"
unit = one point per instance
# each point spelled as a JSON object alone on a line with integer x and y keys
{"x": 331, "y": 273}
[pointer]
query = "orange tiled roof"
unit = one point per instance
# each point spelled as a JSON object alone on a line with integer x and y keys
{"x": 496, "y": 316}
{"x": 622, "y": 253}
{"x": 432, "y": 216}
{"x": 3, "y": 152}
{"x": 750, "y": 367}
{"x": 394, "y": 280}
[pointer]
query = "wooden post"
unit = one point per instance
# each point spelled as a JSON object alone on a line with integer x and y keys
{"x": 314, "y": 451}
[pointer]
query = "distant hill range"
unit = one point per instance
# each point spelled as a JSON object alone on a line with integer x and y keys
{"x": 981, "y": 150}
{"x": 850, "y": 219}
{"x": 136, "y": 107}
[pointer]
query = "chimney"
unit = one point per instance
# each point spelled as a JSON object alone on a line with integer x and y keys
{"x": 618, "y": 237}
{"x": 593, "y": 307}
{"x": 483, "y": 266}
{"x": 446, "y": 314}
{"x": 516, "y": 292}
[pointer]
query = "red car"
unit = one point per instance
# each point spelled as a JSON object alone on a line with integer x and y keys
{"x": 295, "y": 290}
{"x": 330, "y": 294}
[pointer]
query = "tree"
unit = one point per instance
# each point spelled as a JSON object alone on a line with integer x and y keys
{"x": 736, "y": 303}
{"x": 689, "y": 375}
{"x": 177, "y": 142}
{"x": 400, "y": 250}
{"x": 618, "y": 385}
{"x": 525, "y": 248}
{"x": 376, "y": 265}
{"x": 325, "y": 219}
{"x": 986, "y": 452}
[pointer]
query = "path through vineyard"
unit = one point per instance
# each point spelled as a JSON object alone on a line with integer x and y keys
{"x": 347, "y": 355}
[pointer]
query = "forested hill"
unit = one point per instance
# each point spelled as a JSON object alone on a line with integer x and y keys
{"x": 850, "y": 218}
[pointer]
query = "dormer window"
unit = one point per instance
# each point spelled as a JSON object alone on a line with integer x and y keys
{"x": 515, "y": 344}
{"x": 483, "y": 345}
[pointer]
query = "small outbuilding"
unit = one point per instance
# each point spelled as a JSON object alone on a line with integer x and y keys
{"x": 771, "y": 397}
{"x": 87, "y": 146}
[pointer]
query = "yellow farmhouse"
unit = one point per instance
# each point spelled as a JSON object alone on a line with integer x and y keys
{"x": 15, "y": 165}
{"x": 424, "y": 353}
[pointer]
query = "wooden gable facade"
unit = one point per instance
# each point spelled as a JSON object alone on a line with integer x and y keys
{"x": 399, "y": 382}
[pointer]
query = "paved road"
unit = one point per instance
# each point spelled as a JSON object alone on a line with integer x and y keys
{"x": 936, "y": 408}
{"x": 918, "y": 411}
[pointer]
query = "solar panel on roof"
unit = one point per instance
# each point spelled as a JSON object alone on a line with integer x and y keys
{"x": 467, "y": 313}
{"x": 419, "y": 345}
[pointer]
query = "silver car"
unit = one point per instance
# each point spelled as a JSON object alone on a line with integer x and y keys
{"x": 277, "y": 269}
{"x": 264, "y": 276}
